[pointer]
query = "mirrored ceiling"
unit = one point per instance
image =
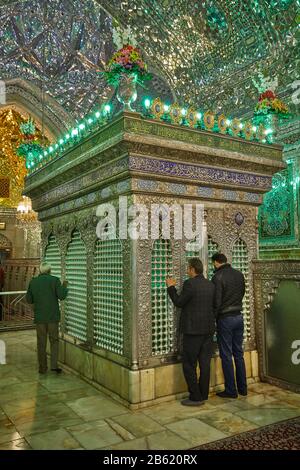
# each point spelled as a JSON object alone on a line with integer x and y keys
{"x": 203, "y": 53}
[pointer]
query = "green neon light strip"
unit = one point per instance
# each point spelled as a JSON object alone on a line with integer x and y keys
{"x": 100, "y": 118}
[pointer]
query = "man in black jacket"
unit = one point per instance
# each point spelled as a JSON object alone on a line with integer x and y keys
{"x": 229, "y": 293}
{"x": 198, "y": 327}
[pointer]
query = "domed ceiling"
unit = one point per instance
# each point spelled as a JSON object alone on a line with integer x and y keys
{"x": 205, "y": 53}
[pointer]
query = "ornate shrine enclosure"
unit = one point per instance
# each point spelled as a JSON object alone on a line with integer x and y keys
{"x": 119, "y": 329}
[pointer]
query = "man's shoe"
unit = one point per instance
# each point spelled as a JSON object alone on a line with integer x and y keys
{"x": 188, "y": 402}
{"x": 244, "y": 394}
{"x": 226, "y": 395}
{"x": 58, "y": 370}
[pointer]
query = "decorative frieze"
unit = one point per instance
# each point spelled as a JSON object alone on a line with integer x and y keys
{"x": 198, "y": 173}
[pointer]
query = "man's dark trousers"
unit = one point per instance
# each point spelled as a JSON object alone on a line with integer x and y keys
{"x": 43, "y": 330}
{"x": 230, "y": 334}
{"x": 197, "y": 348}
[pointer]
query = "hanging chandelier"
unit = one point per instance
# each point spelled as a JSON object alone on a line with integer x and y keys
{"x": 25, "y": 214}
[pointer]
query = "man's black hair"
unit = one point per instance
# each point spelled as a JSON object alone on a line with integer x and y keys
{"x": 197, "y": 264}
{"x": 219, "y": 258}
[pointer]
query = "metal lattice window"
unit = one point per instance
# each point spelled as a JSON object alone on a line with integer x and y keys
{"x": 189, "y": 253}
{"x": 212, "y": 248}
{"x": 240, "y": 261}
{"x": 52, "y": 256}
{"x": 76, "y": 302}
{"x": 163, "y": 328}
{"x": 4, "y": 187}
{"x": 108, "y": 295}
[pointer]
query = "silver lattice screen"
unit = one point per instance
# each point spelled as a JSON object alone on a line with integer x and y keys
{"x": 163, "y": 327}
{"x": 76, "y": 302}
{"x": 240, "y": 261}
{"x": 212, "y": 248}
{"x": 189, "y": 253}
{"x": 108, "y": 295}
{"x": 52, "y": 256}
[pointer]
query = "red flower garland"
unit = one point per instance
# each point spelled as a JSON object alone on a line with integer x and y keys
{"x": 268, "y": 94}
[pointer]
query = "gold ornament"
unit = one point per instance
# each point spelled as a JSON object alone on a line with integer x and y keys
{"x": 12, "y": 167}
{"x": 157, "y": 108}
{"x": 222, "y": 123}
{"x": 235, "y": 126}
{"x": 175, "y": 113}
{"x": 209, "y": 119}
{"x": 248, "y": 130}
{"x": 191, "y": 117}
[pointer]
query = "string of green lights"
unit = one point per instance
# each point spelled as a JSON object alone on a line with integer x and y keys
{"x": 157, "y": 110}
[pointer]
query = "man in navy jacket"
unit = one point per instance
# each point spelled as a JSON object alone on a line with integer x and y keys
{"x": 198, "y": 327}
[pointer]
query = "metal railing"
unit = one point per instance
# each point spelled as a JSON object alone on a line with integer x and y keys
{"x": 15, "y": 312}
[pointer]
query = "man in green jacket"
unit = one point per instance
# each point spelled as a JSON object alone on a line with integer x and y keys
{"x": 43, "y": 292}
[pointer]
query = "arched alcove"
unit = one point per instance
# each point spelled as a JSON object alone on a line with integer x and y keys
{"x": 52, "y": 256}
{"x": 27, "y": 99}
{"x": 240, "y": 261}
{"x": 76, "y": 302}
{"x": 108, "y": 295}
{"x": 163, "y": 339}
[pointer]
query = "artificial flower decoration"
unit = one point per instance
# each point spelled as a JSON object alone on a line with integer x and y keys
{"x": 127, "y": 60}
{"x": 269, "y": 103}
{"x": 269, "y": 94}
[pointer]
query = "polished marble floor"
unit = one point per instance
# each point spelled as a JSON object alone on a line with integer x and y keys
{"x": 64, "y": 412}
